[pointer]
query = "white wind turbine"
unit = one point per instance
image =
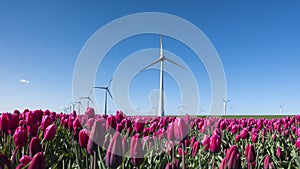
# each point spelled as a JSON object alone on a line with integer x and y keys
{"x": 225, "y": 105}
{"x": 280, "y": 108}
{"x": 106, "y": 88}
{"x": 161, "y": 59}
{"x": 88, "y": 98}
{"x": 79, "y": 104}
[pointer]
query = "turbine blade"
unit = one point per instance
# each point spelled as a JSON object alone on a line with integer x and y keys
{"x": 175, "y": 63}
{"x": 109, "y": 93}
{"x": 161, "y": 49}
{"x": 90, "y": 92}
{"x": 109, "y": 81}
{"x": 153, "y": 63}
{"x": 99, "y": 87}
{"x": 90, "y": 100}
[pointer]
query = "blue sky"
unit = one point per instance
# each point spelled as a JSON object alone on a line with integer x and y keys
{"x": 257, "y": 42}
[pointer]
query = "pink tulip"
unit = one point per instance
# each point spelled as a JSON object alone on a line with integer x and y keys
{"x": 20, "y": 137}
{"x": 113, "y": 156}
{"x": 136, "y": 151}
{"x": 90, "y": 112}
{"x": 215, "y": 143}
{"x": 139, "y": 125}
{"x": 250, "y": 153}
{"x": 38, "y": 161}
{"x": 195, "y": 148}
{"x": 35, "y": 146}
{"x": 46, "y": 121}
{"x": 205, "y": 142}
{"x": 50, "y": 132}
{"x": 5, "y": 121}
{"x": 83, "y": 138}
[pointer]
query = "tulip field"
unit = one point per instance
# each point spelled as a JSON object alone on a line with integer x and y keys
{"x": 40, "y": 139}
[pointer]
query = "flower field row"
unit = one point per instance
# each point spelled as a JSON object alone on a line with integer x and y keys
{"x": 44, "y": 139}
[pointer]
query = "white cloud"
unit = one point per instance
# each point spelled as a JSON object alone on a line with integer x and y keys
{"x": 24, "y": 81}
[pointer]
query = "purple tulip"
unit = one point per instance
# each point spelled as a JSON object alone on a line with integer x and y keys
{"x": 4, "y": 161}
{"x": 254, "y": 137}
{"x": 20, "y": 137}
{"x": 35, "y": 146}
{"x": 232, "y": 159}
{"x": 139, "y": 125}
{"x": 205, "y": 142}
{"x": 195, "y": 148}
{"x": 83, "y": 138}
{"x": 136, "y": 151}
{"x": 215, "y": 143}
{"x": 278, "y": 152}
{"x": 298, "y": 143}
{"x": 244, "y": 134}
{"x": 46, "y": 121}
{"x": 90, "y": 112}
{"x": 50, "y": 132}
{"x": 267, "y": 163}
{"x": 97, "y": 135}
{"x": 5, "y": 122}
{"x": 25, "y": 159}
{"x": 38, "y": 161}
{"x": 113, "y": 156}
{"x": 111, "y": 123}
{"x": 250, "y": 153}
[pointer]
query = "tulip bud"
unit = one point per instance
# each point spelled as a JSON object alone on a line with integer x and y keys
{"x": 50, "y": 132}
{"x": 90, "y": 112}
{"x": 278, "y": 152}
{"x": 139, "y": 125}
{"x": 113, "y": 156}
{"x": 298, "y": 143}
{"x": 46, "y": 121}
{"x": 244, "y": 134}
{"x": 5, "y": 122}
{"x": 83, "y": 138}
{"x": 97, "y": 135}
{"x": 25, "y": 159}
{"x": 136, "y": 151}
{"x": 20, "y": 137}
{"x": 38, "y": 161}
{"x": 250, "y": 153}
{"x": 35, "y": 146}
{"x": 254, "y": 137}
{"x": 195, "y": 148}
{"x": 205, "y": 142}
{"x": 237, "y": 138}
{"x": 215, "y": 143}
{"x": 267, "y": 162}
{"x": 111, "y": 123}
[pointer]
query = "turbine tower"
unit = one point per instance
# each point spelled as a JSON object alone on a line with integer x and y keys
{"x": 105, "y": 96}
{"x": 161, "y": 59}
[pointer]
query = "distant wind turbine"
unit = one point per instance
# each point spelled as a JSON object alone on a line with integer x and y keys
{"x": 232, "y": 109}
{"x": 79, "y": 104}
{"x": 280, "y": 108}
{"x": 161, "y": 59}
{"x": 88, "y": 98}
{"x": 201, "y": 110}
{"x": 179, "y": 108}
{"x": 225, "y": 105}
{"x": 106, "y": 88}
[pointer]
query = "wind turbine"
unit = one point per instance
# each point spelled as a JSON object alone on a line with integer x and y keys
{"x": 201, "y": 110}
{"x": 88, "y": 98}
{"x": 180, "y": 109}
{"x": 105, "y": 96}
{"x": 79, "y": 104}
{"x": 280, "y": 108}
{"x": 161, "y": 59}
{"x": 225, "y": 106}
{"x": 232, "y": 109}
